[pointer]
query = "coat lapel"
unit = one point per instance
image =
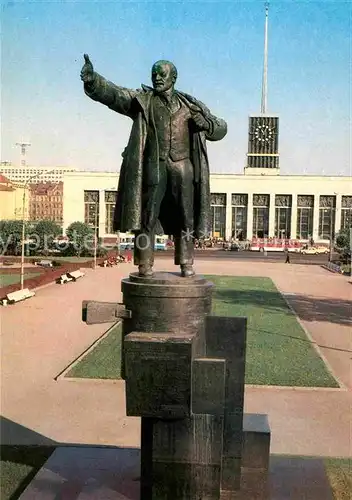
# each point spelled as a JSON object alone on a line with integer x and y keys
{"x": 144, "y": 98}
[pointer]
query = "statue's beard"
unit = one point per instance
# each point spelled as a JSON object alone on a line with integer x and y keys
{"x": 161, "y": 91}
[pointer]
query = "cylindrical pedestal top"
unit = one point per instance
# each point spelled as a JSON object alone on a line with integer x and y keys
{"x": 163, "y": 284}
{"x": 166, "y": 302}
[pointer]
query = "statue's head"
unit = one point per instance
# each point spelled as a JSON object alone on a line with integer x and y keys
{"x": 164, "y": 75}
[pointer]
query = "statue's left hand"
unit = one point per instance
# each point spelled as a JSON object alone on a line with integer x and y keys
{"x": 200, "y": 121}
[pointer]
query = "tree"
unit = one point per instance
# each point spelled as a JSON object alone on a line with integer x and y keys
{"x": 81, "y": 237}
{"x": 10, "y": 236}
{"x": 44, "y": 233}
{"x": 343, "y": 243}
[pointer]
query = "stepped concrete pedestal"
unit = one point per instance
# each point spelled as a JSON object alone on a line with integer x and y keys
{"x": 103, "y": 473}
{"x": 184, "y": 372}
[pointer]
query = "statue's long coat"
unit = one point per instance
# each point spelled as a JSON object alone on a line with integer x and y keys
{"x": 136, "y": 105}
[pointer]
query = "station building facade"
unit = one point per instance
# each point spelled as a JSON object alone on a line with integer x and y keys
{"x": 255, "y": 204}
{"x": 260, "y": 203}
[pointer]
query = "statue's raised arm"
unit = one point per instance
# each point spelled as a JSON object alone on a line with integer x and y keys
{"x": 99, "y": 89}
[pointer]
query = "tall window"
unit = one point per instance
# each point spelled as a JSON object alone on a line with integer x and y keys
{"x": 239, "y": 216}
{"x": 110, "y": 201}
{"x": 346, "y": 212}
{"x": 305, "y": 206}
{"x": 261, "y": 215}
{"x": 91, "y": 209}
{"x": 327, "y": 206}
{"x": 218, "y": 214}
{"x": 283, "y": 207}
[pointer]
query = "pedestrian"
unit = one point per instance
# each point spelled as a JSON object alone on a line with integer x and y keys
{"x": 128, "y": 255}
{"x": 287, "y": 254}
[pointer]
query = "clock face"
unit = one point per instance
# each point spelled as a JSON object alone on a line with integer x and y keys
{"x": 264, "y": 134}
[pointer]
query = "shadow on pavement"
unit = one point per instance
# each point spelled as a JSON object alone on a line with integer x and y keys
{"x": 11, "y": 432}
{"x": 303, "y": 339}
{"x": 69, "y": 470}
{"x": 308, "y": 308}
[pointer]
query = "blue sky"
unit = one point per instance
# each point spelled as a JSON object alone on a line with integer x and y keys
{"x": 218, "y": 50}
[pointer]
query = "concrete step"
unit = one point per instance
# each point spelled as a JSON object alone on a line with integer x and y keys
{"x": 109, "y": 473}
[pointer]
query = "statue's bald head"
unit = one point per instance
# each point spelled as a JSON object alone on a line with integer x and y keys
{"x": 164, "y": 75}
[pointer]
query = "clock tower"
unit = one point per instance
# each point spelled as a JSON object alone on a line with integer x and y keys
{"x": 263, "y": 130}
{"x": 263, "y": 143}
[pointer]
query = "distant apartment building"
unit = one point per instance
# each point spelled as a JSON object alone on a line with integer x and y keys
{"x": 13, "y": 200}
{"x": 33, "y": 174}
{"x": 46, "y": 201}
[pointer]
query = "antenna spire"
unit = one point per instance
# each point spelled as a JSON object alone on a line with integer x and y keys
{"x": 265, "y": 67}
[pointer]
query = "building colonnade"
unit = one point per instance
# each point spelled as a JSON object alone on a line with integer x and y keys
{"x": 294, "y": 216}
{"x": 249, "y": 215}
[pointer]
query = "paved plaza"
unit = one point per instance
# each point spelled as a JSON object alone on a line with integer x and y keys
{"x": 42, "y": 336}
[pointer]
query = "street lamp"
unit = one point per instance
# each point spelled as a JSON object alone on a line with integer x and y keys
{"x": 331, "y": 235}
{"x": 332, "y": 211}
{"x": 25, "y": 185}
{"x": 95, "y": 234}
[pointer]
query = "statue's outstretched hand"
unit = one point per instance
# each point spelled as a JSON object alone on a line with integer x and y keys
{"x": 87, "y": 73}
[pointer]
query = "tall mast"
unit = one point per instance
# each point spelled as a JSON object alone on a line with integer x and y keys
{"x": 264, "y": 103}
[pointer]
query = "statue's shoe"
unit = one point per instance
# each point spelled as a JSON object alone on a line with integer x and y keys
{"x": 145, "y": 270}
{"x": 187, "y": 271}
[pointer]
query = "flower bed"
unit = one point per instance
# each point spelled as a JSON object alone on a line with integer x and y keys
{"x": 47, "y": 275}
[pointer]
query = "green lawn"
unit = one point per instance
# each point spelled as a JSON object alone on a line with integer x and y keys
{"x": 339, "y": 472}
{"x": 104, "y": 361}
{"x": 11, "y": 279}
{"x": 19, "y": 464}
{"x": 278, "y": 350}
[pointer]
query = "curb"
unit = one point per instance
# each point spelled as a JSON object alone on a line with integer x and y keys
{"x": 297, "y": 388}
{"x": 84, "y": 380}
{"x": 278, "y": 388}
{"x": 312, "y": 341}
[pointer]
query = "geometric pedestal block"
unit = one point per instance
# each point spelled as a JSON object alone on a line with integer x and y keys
{"x": 165, "y": 302}
{"x": 158, "y": 374}
{"x": 180, "y": 450}
{"x": 181, "y": 458}
{"x": 256, "y": 441}
{"x": 255, "y": 460}
{"x": 255, "y": 456}
{"x": 226, "y": 338}
{"x": 185, "y": 372}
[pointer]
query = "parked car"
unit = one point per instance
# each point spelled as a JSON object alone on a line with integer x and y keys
{"x": 309, "y": 251}
{"x": 314, "y": 250}
{"x": 322, "y": 249}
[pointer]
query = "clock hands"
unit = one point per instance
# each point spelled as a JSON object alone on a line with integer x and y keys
{"x": 264, "y": 133}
